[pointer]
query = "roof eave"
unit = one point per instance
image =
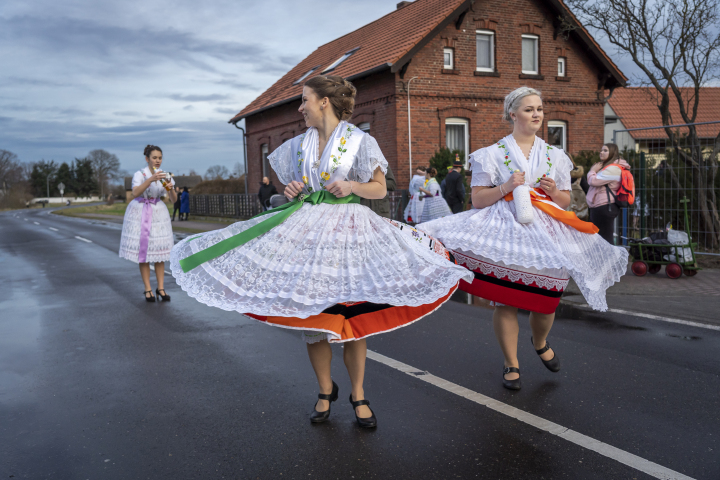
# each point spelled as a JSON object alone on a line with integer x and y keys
{"x": 434, "y": 32}
{"x": 376, "y": 69}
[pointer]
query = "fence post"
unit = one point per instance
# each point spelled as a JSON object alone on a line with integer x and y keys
{"x": 641, "y": 186}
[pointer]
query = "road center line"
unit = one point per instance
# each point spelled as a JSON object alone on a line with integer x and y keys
{"x": 83, "y": 239}
{"x": 626, "y": 458}
{"x": 53, "y": 229}
{"x": 657, "y": 317}
{"x": 36, "y": 223}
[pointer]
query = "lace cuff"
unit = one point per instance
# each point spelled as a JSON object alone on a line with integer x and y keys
{"x": 484, "y": 170}
{"x": 369, "y": 157}
{"x": 282, "y": 162}
{"x": 562, "y": 172}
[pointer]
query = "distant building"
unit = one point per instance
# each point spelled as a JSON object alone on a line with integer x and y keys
{"x": 180, "y": 181}
{"x": 637, "y": 107}
{"x": 466, "y": 56}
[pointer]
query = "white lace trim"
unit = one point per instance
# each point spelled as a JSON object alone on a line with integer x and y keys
{"x": 515, "y": 276}
{"x": 282, "y": 161}
{"x": 484, "y": 168}
{"x": 161, "y": 239}
{"x": 367, "y": 160}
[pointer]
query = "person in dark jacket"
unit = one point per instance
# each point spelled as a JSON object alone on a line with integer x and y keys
{"x": 455, "y": 188}
{"x": 267, "y": 190}
{"x": 184, "y": 203}
{"x": 382, "y": 206}
{"x": 176, "y": 205}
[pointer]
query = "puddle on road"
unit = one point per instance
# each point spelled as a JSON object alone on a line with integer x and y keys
{"x": 682, "y": 337}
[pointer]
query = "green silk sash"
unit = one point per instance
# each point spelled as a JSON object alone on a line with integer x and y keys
{"x": 224, "y": 246}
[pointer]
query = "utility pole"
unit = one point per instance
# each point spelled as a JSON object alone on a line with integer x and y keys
{"x": 245, "y": 160}
{"x": 409, "y": 131}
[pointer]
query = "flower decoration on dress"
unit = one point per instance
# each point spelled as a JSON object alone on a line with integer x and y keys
{"x": 325, "y": 176}
{"x": 305, "y": 180}
{"x": 549, "y": 163}
{"x": 507, "y": 157}
{"x": 335, "y": 159}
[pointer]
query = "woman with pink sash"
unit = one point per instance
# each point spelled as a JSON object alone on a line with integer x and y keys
{"x": 147, "y": 232}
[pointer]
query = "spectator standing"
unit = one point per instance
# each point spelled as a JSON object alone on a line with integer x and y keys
{"x": 604, "y": 180}
{"x": 382, "y": 206}
{"x": 455, "y": 188}
{"x": 176, "y": 205}
{"x": 267, "y": 190}
{"x": 184, "y": 203}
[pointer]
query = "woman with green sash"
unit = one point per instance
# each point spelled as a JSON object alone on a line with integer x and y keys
{"x": 323, "y": 264}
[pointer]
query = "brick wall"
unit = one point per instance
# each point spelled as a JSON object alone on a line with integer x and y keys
{"x": 438, "y": 94}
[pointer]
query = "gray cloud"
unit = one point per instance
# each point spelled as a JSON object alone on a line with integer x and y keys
{"x": 127, "y": 114}
{"x": 197, "y": 98}
{"x": 229, "y": 111}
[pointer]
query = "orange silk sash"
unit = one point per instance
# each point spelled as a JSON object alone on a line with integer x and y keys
{"x": 568, "y": 218}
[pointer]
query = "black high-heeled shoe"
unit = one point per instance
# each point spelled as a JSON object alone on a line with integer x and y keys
{"x": 163, "y": 298}
{"x": 320, "y": 417}
{"x": 511, "y": 384}
{"x": 151, "y": 298}
{"x": 369, "y": 422}
{"x": 554, "y": 363}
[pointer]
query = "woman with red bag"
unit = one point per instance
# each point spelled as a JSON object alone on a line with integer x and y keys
{"x": 604, "y": 179}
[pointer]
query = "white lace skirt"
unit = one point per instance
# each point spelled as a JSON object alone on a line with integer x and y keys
{"x": 161, "y": 239}
{"x": 547, "y": 246}
{"x": 321, "y": 256}
{"x": 434, "y": 208}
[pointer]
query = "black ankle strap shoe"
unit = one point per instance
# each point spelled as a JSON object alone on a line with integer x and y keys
{"x": 320, "y": 417}
{"x": 369, "y": 422}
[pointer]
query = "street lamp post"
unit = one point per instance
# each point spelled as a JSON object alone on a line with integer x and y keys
{"x": 409, "y": 130}
{"x": 61, "y": 187}
{"x": 47, "y": 184}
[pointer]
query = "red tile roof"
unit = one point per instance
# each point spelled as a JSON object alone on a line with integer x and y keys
{"x": 389, "y": 42}
{"x": 637, "y": 108}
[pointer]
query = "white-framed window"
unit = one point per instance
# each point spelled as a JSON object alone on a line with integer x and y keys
{"x": 530, "y": 55}
{"x": 457, "y": 136}
{"x": 485, "y": 46}
{"x": 306, "y": 75}
{"x": 557, "y": 134}
{"x": 448, "y": 58}
{"x": 561, "y": 67}
{"x": 265, "y": 163}
{"x": 364, "y": 126}
{"x": 340, "y": 60}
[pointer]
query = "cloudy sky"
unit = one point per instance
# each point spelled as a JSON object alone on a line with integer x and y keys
{"x": 78, "y": 75}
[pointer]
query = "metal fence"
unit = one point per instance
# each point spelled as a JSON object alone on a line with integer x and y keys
{"x": 670, "y": 164}
{"x": 242, "y": 206}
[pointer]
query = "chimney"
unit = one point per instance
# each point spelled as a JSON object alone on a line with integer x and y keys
{"x": 403, "y": 4}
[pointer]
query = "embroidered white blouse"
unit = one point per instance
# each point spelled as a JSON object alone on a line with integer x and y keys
{"x": 155, "y": 190}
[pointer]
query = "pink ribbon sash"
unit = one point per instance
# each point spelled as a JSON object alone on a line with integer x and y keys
{"x": 146, "y": 224}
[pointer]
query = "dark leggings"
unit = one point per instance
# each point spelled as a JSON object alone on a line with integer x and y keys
{"x": 604, "y": 218}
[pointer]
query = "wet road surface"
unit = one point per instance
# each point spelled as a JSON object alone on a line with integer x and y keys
{"x": 97, "y": 383}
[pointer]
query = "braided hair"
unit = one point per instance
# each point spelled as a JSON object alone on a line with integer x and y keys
{"x": 339, "y": 91}
{"x": 151, "y": 148}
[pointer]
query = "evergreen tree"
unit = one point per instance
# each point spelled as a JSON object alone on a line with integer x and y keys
{"x": 64, "y": 175}
{"x": 84, "y": 182}
{"x": 39, "y": 174}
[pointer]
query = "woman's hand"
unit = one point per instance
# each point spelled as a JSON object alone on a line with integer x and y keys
{"x": 341, "y": 188}
{"x": 293, "y": 189}
{"x": 158, "y": 175}
{"x": 517, "y": 179}
{"x": 596, "y": 168}
{"x": 548, "y": 186}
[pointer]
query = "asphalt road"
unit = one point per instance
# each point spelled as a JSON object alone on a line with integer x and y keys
{"x": 95, "y": 383}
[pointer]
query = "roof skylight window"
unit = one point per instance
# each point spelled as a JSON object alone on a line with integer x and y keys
{"x": 307, "y": 74}
{"x": 340, "y": 60}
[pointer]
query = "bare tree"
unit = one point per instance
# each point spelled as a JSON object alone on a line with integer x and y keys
{"x": 676, "y": 45}
{"x": 105, "y": 165}
{"x": 11, "y": 171}
{"x": 217, "y": 172}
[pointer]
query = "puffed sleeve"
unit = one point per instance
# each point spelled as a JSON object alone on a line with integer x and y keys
{"x": 282, "y": 161}
{"x": 367, "y": 160}
{"x": 138, "y": 179}
{"x": 562, "y": 170}
{"x": 484, "y": 169}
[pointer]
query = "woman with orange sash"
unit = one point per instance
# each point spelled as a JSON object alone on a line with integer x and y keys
{"x": 518, "y": 240}
{"x": 323, "y": 264}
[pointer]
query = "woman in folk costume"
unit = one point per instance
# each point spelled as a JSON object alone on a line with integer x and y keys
{"x": 414, "y": 208}
{"x": 323, "y": 264}
{"x": 435, "y": 205}
{"x": 519, "y": 242}
{"x": 147, "y": 235}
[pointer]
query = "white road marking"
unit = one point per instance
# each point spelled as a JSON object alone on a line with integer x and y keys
{"x": 36, "y": 223}
{"x": 83, "y": 239}
{"x": 53, "y": 229}
{"x": 657, "y": 317}
{"x": 627, "y": 458}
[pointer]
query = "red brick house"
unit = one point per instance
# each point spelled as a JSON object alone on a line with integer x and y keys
{"x": 463, "y": 57}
